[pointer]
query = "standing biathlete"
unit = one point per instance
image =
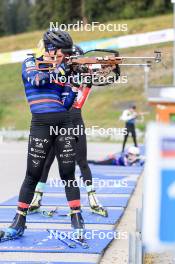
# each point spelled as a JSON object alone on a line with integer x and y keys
{"x": 49, "y": 107}
{"x": 81, "y": 155}
{"x": 130, "y": 116}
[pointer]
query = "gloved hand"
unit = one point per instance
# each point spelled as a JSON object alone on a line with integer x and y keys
{"x": 40, "y": 79}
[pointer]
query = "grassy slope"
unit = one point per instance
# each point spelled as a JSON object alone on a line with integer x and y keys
{"x": 104, "y": 105}
{"x": 139, "y": 25}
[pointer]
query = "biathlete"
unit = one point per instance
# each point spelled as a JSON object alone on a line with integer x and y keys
{"x": 131, "y": 158}
{"x": 81, "y": 155}
{"x": 49, "y": 107}
{"x": 130, "y": 116}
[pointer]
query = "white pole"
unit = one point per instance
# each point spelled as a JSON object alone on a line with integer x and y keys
{"x": 173, "y": 1}
{"x": 146, "y": 72}
{"x": 1, "y": 139}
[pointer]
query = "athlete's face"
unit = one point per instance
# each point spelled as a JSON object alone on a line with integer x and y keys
{"x": 60, "y": 56}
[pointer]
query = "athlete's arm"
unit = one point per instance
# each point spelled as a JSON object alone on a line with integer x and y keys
{"x": 83, "y": 97}
{"x": 32, "y": 75}
{"x": 68, "y": 96}
{"x": 40, "y": 78}
{"x": 83, "y": 94}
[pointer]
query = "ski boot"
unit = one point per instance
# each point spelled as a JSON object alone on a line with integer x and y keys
{"x": 36, "y": 203}
{"x": 16, "y": 229}
{"x": 77, "y": 224}
{"x": 96, "y": 207}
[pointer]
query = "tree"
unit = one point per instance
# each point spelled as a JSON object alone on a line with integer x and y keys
{"x": 23, "y": 17}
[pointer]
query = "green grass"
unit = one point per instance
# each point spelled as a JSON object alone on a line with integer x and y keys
{"x": 104, "y": 105}
{"x": 138, "y": 25}
{"x": 13, "y": 107}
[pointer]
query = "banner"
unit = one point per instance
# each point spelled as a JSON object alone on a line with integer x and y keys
{"x": 122, "y": 42}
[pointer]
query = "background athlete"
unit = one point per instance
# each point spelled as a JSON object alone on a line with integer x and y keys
{"x": 131, "y": 158}
{"x": 130, "y": 116}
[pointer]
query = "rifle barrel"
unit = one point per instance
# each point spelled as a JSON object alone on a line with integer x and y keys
{"x": 135, "y": 64}
{"x": 141, "y": 58}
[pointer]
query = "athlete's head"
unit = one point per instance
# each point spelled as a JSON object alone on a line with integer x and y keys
{"x": 133, "y": 154}
{"x": 57, "y": 43}
{"x": 133, "y": 107}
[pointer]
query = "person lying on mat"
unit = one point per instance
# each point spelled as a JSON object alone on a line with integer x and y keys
{"x": 131, "y": 158}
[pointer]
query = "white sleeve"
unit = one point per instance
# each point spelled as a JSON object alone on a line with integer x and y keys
{"x": 127, "y": 115}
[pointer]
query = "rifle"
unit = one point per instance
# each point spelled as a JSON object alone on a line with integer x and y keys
{"x": 110, "y": 60}
{"x": 98, "y": 65}
{"x": 142, "y": 116}
{"x": 143, "y": 113}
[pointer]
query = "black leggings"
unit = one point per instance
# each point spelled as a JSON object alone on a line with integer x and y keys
{"x": 80, "y": 147}
{"x": 130, "y": 128}
{"x": 42, "y": 140}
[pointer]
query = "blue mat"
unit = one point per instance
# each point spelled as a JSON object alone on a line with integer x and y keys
{"x": 99, "y": 181}
{"x": 113, "y": 175}
{"x": 114, "y": 215}
{"x": 61, "y": 201}
{"x": 108, "y": 175}
{"x": 118, "y": 175}
{"x": 124, "y": 182}
{"x": 41, "y": 262}
{"x": 102, "y": 190}
{"x": 117, "y": 169}
{"x": 37, "y": 240}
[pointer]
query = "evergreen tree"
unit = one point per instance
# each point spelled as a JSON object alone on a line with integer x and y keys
{"x": 21, "y": 15}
